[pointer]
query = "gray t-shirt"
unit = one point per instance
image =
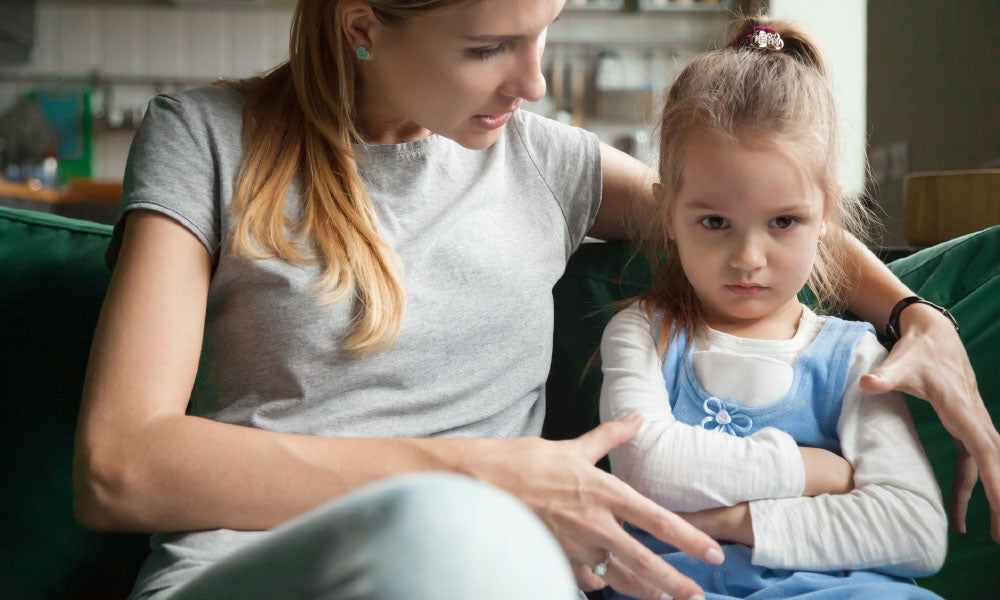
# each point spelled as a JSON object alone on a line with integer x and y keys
{"x": 483, "y": 236}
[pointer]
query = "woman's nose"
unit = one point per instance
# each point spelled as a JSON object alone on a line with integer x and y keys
{"x": 525, "y": 79}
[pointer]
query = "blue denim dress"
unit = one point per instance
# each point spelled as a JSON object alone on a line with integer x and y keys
{"x": 809, "y": 412}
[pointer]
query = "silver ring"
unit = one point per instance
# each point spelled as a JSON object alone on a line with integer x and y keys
{"x": 601, "y": 568}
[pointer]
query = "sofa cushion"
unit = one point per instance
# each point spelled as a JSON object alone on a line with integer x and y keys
{"x": 53, "y": 279}
{"x": 962, "y": 275}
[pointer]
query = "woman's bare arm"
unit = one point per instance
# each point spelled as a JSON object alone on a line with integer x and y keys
{"x": 930, "y": 362}
{"x": 626, "y": 187}
{"x": 141, "y": 460}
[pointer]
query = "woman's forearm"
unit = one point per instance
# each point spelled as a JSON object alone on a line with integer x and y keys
{"x": 181, "y": 473}
{"x": 875, "y": 289}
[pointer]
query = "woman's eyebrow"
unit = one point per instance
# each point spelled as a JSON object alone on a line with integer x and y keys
{"x": 499, "y": 38}
{"x": 493, "y": 38}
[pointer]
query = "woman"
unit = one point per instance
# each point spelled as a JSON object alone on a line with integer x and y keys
{"x": 341, "y": 273}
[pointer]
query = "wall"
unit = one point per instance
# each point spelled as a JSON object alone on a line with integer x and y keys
{"x": 839, "y": 27}
{"x": 933, "y": 92}
{"x": 139, "y": 47}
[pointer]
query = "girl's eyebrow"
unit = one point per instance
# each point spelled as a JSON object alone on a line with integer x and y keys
{"x": 700, "y": 205}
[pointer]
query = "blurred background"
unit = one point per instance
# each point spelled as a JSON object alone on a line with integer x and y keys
{"x": 918, "y": 83}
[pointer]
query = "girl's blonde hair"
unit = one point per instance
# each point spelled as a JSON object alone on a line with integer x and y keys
{"x": 779, "y": 100}
{"x": 301, "y": 119}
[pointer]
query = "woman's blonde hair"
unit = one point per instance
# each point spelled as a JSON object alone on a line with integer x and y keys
{"x": 301, "y": 119}
{"x": 780, "y": 100}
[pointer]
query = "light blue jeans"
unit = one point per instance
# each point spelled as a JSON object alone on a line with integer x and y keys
{"x": 415, "y": 537}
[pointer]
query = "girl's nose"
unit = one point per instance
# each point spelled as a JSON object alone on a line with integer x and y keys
{"x": 748, "y": 255}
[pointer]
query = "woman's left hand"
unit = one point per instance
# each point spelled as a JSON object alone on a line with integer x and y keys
{"x": 930, "y": 362}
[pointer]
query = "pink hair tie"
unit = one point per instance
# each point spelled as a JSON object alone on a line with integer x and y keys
{"x": 764, "y": 38}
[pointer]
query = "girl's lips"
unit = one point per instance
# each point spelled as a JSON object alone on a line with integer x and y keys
{"x": 490, "y": 122}
{"x": 746, "y": 290}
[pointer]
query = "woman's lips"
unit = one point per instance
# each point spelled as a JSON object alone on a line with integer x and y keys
{"x": 746, "y": 290}
{"x": 491, "y": 122}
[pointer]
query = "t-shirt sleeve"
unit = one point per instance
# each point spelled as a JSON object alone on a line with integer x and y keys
{"x": 171, "y": 170}
{"x": 568, "y": 159}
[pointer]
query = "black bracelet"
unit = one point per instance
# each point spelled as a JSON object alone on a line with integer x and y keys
{"x": 892, "y": 327}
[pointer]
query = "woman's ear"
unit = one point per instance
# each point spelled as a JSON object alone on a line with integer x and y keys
{"x": 357, "y": 20}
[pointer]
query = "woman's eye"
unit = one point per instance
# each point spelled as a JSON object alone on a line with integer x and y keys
{"x": 714, "y": 222}
{"x": 484, "y": 53}
{"x": 782, "y": 222}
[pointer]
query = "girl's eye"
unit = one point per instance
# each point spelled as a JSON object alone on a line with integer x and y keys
{"x": 715, "y": 222}
{"x": 484, "y": 53}
{"x": 782, "y": 222}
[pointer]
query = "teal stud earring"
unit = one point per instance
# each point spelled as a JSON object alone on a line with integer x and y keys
{"x": 363, "y": 53}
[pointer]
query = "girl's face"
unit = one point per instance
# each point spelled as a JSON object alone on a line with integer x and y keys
{"x": 460, "y": 73}
{"x": 747, "y": 222}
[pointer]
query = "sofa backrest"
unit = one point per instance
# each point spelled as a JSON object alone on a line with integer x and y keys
{"x": 52, "y": 282}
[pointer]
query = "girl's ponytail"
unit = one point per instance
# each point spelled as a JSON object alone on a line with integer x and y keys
{"x": 795, "y": 42}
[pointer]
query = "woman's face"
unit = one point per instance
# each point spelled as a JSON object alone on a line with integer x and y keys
{"x": 459, "y": 73}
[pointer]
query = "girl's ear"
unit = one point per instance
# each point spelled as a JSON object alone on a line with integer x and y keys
{"x": 826, "y": 212}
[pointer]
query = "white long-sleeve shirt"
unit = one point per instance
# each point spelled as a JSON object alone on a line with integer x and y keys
{"x": 893, "y": 521}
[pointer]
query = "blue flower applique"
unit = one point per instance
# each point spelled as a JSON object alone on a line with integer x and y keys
{"x": 725, "y": 416}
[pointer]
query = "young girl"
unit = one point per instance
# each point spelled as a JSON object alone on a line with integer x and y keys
{"x": 754, "y": 423}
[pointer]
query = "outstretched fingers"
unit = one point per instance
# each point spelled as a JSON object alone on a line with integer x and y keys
{"x": 949, "y": 385}
{"x": 978, "y": 446}
{"x": 966, "y": 476}
{"x": 983, "y": 443}
{"x": 669, "y": 527}
{"x": 597, "y": 442}
{"x": 639, "y": 572}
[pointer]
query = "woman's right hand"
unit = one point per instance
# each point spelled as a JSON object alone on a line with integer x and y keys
{"x": 585, "y": 507}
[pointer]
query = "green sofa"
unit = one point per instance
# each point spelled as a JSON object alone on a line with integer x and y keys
{"x": 52, "y": 282}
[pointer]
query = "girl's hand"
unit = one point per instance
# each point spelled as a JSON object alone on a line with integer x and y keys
{"x": 930, "y": 362}
{"x": 729, "y": 523}
{"x": 585, "y": 507}
{"x": 826, "y": 472}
